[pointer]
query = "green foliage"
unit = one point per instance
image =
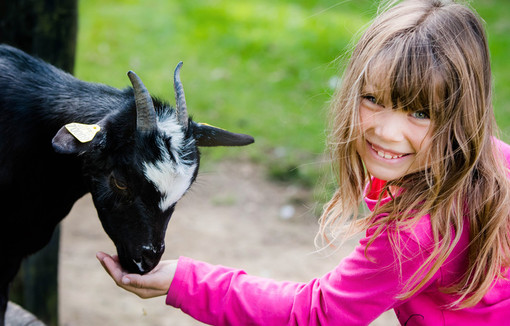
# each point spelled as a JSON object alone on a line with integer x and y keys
{"x": 259, "y": 67}
{"x": 262, "y": 67}
{"x": 496, "y": 13}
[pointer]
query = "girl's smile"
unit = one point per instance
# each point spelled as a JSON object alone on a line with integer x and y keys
{"x": 394, "y": 142}
{"x": 385, "y": 153}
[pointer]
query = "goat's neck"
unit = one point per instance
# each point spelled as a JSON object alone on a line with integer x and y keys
{"x": 84, "y": 102}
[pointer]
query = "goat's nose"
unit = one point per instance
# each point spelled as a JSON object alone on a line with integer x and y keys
{"x": 153, "y": 250}
{"x": 150, "y": 256}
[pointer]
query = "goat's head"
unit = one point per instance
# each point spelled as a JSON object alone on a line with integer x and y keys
{"x": 139, "y": 164}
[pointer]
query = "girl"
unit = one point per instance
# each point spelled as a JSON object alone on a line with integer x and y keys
{"x": 412, "y": 136}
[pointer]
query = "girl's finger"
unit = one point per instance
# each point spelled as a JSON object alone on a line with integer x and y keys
{"x": 133, "y": 280}
{"x": 115, "y": 258}
{"x": 113, "y": 268}
{"x": 101, "y": 256}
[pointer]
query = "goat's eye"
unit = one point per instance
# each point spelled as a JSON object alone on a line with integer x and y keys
{"x": 117, "y": 183}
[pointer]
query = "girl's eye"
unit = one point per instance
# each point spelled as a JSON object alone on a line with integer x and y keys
{"x": 370, "y": 98}
{"x": 421, "y": 115}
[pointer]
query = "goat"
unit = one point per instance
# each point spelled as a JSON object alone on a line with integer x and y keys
{"x": 138, "y": 158}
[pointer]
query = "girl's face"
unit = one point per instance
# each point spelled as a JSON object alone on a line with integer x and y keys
{"x": 394, "y": 142}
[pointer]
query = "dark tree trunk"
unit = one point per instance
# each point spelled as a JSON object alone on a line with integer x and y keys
{"x": 46, "y": 29}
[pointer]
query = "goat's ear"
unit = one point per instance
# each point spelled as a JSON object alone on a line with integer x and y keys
{"x": 74, "y": 138}
{"x": 207, "y": 135}
{"x": 65, "y": 143}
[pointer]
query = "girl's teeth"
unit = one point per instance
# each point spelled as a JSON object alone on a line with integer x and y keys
{"x": 387, "y": 156}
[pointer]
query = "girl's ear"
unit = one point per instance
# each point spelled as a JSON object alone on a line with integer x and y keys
{"x": 207, "y": 136}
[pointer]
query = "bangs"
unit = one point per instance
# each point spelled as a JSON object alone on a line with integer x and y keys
{"x": 407, "y": 73}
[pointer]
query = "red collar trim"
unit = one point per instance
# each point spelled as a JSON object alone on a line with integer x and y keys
{"x": 376, "y": 187}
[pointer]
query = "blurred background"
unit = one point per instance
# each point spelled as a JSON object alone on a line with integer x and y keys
{"x": 264, "y": 67}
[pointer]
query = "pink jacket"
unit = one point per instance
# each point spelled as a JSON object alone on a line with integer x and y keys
{"x": 356, "y": 292}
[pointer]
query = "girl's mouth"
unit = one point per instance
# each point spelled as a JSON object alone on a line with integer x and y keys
{"x": 385, "y": 153}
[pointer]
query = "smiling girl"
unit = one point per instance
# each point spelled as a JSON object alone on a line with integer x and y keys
{"x": 412, "y": 136}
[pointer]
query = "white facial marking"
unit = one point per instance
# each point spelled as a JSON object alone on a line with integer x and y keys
{"x": 149, "y": 247}
{"x": 172, "y": 179}
{"x": 139, "y": 264}
{"x": 171, "y": 128}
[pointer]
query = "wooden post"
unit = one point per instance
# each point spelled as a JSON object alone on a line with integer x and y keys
{"x": 36, "y": 285}
{"x": 47, "y": 29}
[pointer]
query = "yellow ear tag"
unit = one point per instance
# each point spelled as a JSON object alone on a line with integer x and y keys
{"x": 84, "y": 133}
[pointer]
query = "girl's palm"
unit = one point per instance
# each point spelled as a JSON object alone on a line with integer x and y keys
{"x": 153, "y": 284}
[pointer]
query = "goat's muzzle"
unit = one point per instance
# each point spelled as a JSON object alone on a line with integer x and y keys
{"x": 143, "y": 262}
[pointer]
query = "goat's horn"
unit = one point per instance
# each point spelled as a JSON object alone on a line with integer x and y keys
{"x": 145, "y": 113}
{"x": 180, "y": 100}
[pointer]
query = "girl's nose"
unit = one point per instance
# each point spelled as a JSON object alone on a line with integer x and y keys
{"x": 390, "y": 126}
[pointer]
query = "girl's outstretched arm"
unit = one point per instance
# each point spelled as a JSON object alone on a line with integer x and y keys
{"x": 152, "y": 284}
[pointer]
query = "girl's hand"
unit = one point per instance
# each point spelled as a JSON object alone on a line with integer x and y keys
{"x": 153, "y": 284}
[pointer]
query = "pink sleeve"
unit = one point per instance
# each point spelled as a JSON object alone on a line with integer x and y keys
{"x": 504, "y": 148}
{"x": 356, "y": 292}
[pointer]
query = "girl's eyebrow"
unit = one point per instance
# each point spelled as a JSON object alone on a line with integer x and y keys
{"x": 368, "y": 89}
{"x": 371, "y": 89}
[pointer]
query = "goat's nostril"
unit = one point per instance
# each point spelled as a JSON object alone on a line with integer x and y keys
{"x": 152, "y": 252}
{"x": 154, "y": 249}
{"x": 150, "y": 257}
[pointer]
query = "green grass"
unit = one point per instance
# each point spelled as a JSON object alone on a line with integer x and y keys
{"x": 496, "y": 13}
{"x": 262, "y": 67}
{"x": 259, "y": 67}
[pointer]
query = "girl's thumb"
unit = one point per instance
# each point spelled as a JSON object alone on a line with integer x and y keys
{"x": 133, "y": 280}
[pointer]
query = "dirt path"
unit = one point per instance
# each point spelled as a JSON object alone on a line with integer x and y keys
{"x": 232, "y": 216}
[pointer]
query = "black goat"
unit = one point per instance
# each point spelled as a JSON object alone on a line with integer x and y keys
{"x": 138, "y": 158}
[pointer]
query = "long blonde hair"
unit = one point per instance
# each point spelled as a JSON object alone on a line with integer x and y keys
{"x": 433, "y": 55}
